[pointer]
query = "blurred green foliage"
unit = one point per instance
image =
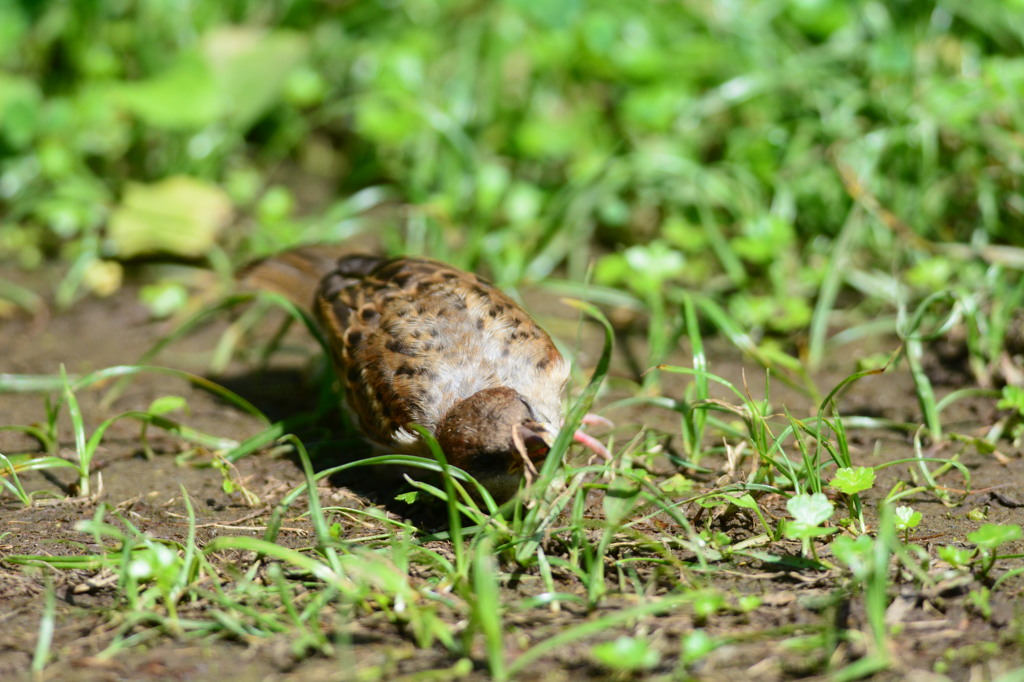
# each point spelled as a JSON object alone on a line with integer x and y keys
{"x": 733, "y": 141}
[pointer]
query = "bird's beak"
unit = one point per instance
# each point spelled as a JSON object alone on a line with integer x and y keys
{"x": 533, "y": 442}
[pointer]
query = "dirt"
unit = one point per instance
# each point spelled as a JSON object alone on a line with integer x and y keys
{"x": 937, "y": 630}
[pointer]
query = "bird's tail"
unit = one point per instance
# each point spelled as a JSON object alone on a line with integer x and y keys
{"x": 294, "y": 274}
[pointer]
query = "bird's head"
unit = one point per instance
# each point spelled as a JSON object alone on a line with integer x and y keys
{"x": 495, "y": 436}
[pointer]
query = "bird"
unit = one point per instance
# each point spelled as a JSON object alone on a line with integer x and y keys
{"x": 416, "y": 341}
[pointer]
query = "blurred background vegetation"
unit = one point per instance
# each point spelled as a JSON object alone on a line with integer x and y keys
{"x": 786, "y": 158}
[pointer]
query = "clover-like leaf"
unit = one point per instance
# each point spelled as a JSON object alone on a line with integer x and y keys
{"x": 157, "y": 563}
{"x": 991, "y": 535}
{"x": 810, "y": 510}
{"x": 852, "y": 480}
{"x": 906, "y": 518}
{"x": 1012, "y": 398}
{"x": 955, "y": 556}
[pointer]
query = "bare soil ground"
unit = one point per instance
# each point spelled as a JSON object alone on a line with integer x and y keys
{"x": 938, "y": 632}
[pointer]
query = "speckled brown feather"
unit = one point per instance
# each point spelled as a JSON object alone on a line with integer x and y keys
{"x": 418, "y": 341}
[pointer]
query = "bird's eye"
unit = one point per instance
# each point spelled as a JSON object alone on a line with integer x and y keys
{"x": 529, "y": 410}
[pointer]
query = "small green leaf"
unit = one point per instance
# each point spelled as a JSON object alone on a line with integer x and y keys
{"x": 388, "y": 118}
{"x": 643, "y": 268}
{"x": 907, "y": 518}
{"x": 697, "y": 645}
{"x": 1012, "y": 399}
{"x": 523, "y": 203}
{"x": 748, "y": 602}
{"x": 955, "y": 556}
{"x": 852, "y": 480}
{"x": 981, "y": 599}
{"x": 745, "y": 501}
{"x": 856, "y": 553}
{"x": 991, "y": 535}
{"x": 305, "y": 87}
{"x": 627, "y": 654}
{"x": 168, "y": 403}
{"x": 655, "y": 262}
{"x": 163, "y": 299}
{"x": 276, "y": 204}
{"x": 763, "y": 237}
{"x": 708, "y": 602}
{"x": 931, "y": 273}
{"x": 677, "y": 483}
{"x": 184, "y": 97}
{"x": 810, "y": 510}
{"x": 157, "y": 563}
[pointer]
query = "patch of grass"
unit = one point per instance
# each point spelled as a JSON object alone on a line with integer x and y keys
{"x": 453, "y": 599}
{"x": 86, "y": 444}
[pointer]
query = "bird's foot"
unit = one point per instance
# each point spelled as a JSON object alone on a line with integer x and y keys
{"x": 588, "y": 441}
